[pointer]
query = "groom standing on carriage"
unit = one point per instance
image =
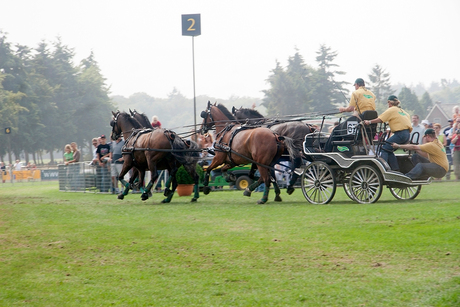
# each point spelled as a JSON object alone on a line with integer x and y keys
{"x": 361, "y": 100}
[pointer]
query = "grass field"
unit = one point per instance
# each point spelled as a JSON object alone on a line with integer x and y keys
{"x": 73, "y": 249}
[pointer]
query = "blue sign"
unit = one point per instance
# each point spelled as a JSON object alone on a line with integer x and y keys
{"x": 191, "y": 25}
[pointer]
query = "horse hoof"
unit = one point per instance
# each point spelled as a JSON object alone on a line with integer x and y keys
{"x": 278, "y": 198}
{"x": 144, "y": 196}
{"x": 261, "y": 202}
{"x": 121, "y": 196}
{"x": 167, "y": 192}
{"x": 193, "y": 200}
{"x": 165, "y": 201}
{"x": 206, "y": 190}
{"x": 247, "y": 193}
{"x": 290, "y": 190}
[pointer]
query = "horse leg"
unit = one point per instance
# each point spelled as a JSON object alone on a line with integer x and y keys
{"x": 276, "y": 187}
{"x": 297, "y": 163}
{"x": 146, "y": 190}
{"x": 127, "y": 165}
{"x": 265, "y": 175}
{"x": 252, "y": 187}
{"x": 252, "y": 171}
{"x": 196, "y": 189}
{"x": 169, "y": 192}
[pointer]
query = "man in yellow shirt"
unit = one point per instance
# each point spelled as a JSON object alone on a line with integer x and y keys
{"x": 361, "y": 100}
{"x": 400, "y": 125}
{"x": 435, "y": 166}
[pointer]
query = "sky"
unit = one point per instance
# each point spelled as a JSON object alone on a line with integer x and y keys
{"x": 140, "y": 48}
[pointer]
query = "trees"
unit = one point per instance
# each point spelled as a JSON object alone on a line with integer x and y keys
{"x": 327, "y": 93}
{"x": 426, "y": 103}
{"x": 300, "y": 88}
{"x": 46, "y": 100}
{"x": 409, "y": 101}
{"x": 380, "y": 85}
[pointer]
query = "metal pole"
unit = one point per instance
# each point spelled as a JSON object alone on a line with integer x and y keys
{"x": 194, "y": 95}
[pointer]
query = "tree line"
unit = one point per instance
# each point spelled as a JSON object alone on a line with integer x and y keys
{"x": 46, "y": 101}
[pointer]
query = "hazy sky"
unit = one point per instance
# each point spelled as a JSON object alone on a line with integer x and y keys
{"x": 140, "y": 47}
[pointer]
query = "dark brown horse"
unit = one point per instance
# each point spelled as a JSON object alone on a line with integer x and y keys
{"x": 148, "y": 149}
{"x": 295, "y": 130}
{"x": 236, "y": 145}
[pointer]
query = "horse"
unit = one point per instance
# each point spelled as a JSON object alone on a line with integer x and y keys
{"x": 236, "y": 145}
{"x": 295, "y": 130}
{"x": 145, "y": 123}
{"x": 153, "y": 149}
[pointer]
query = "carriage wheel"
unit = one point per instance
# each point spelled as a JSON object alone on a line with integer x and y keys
{"x": 318, "y": 183}
{"x": 406, "y": 193}
{"x": 365, "y": 184}
{"x": 346, "y": 188}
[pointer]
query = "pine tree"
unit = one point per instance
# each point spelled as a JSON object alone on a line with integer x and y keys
{"x": 380, "y": 85}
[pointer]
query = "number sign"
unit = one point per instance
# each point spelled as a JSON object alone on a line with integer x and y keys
{"x": 191, "y": 25}
{"x": 351, "y": 127}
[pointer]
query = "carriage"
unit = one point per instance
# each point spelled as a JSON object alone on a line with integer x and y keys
{"x": 354, "y": 164}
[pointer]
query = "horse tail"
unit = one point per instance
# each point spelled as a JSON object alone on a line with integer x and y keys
{"x": 291, "y": 149}
{"x": 186, "y": 152}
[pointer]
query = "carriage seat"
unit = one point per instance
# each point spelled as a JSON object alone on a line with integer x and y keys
{"x": 348, "y": 137}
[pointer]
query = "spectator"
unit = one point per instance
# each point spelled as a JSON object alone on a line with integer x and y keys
{"x": 95, "y": 142}
{"x": 3, "y": 170}
{"x": 117, "y": 162}
{"x": 68, "y": 155}
{"x": 426, "y": 123}
{"x": 103, "y": 156}
{"x": 456, "y": 151}
{"x": 155, "y": 122}
{"x": 440, "y": 136}
{"x": 455, "y": 113}
{"x": 18, "y": 165}
{"x": 75, "y": 153}
{"x": 417, "y": 127}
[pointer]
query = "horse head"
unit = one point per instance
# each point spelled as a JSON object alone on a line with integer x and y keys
{"x": 116, "y": 129}
{"x": 205, "y": 115}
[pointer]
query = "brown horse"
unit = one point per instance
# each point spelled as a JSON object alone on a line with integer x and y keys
{"x": 147, "y": 149}
{"x": 236, "y": 145}
{"x": 295, "y": 130}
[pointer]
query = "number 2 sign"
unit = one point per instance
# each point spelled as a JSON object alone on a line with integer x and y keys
{"x": 191, "y": 25}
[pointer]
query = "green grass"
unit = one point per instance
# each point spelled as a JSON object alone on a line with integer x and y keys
{"x": 73, "y": 249}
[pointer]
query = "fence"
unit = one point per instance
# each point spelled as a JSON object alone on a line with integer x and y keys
{"x": 85, "y": 177}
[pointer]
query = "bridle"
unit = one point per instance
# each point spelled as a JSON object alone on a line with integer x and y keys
{"x": 115, "y": 135}
{"x": 205, "y": 115}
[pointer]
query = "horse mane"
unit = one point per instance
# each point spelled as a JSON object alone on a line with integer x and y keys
{"x": 145, "y": 120}
{"x": 130, "y": 119}
{"x": 249, "y": 113}
{"x": 225, "y": 111}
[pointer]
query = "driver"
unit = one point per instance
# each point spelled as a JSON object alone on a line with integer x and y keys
{"x": 361, "y": 100}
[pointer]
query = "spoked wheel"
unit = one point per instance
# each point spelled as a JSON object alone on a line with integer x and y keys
{"x": 318, "y": 183}
{"x": 406, "y": 193}
{"x": 365, "y": 184}
{"x": 346, "y": 188}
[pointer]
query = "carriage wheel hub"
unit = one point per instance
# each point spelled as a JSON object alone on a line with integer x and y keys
{"x": 317, "y": 183}
{"x": 364, "y": 185}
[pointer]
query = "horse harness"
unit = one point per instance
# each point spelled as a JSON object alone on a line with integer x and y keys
{"x": 227, "y": 148}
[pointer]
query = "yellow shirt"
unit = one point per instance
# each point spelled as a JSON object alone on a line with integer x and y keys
{"x": 397, "y": 118}
{"x": 362, "y": 100}
{"x": 435, "y": 153}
